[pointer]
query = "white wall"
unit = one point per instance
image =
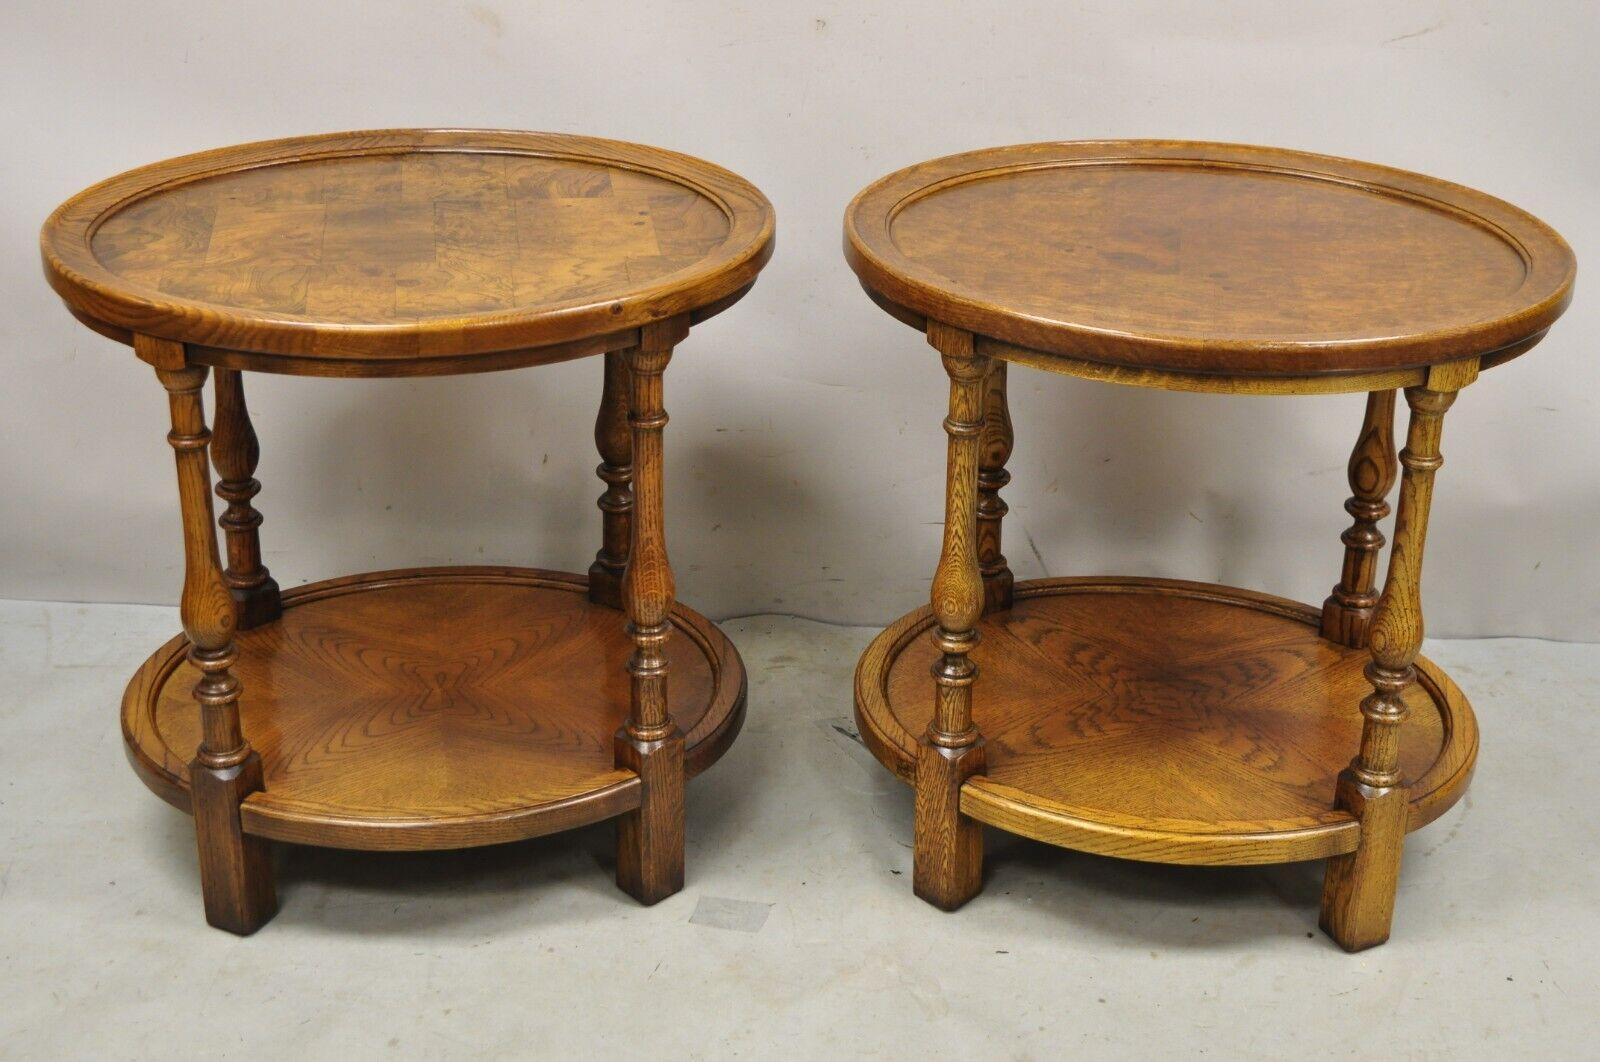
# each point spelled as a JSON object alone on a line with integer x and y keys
{"x": 805, "y": 454}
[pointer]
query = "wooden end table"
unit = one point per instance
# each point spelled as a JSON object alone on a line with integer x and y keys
{"x": 1155, "y": 719}
{"x": 427, "y": 708}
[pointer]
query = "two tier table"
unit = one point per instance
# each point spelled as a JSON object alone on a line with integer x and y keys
{"x": 438, "y": 707}
{"x": 1155, "y": 719}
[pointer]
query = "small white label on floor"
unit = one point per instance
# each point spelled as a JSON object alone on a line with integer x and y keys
{"x": 722, "y": 913}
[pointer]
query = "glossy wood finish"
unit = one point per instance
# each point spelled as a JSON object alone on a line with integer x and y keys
{"x": 403, "y": 252}
{"x": 947, "y": 869}
{"x": 1358, "y": 893}
{"x": 235, "y": 869}
{"x": 650, "y": 742}
{"x": 1163, "y": 721}
{"x": 1213, "y": 725}
{"x": 614, "y": 439}
{"x": 1208, "y": 259}
{"x": 430, "y": 708}
{"x": 994, "y": 450}
{"x": 435, "y": 708}
{"x": 1347, "y": 613}
{"x": 235, "y": 453}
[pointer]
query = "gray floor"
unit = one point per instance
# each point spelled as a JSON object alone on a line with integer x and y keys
{"x": 797, "y": 935}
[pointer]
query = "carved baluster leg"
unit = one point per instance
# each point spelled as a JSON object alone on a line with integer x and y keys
{"x": 235, "y": 453}
{"x": 1347, "y": 613}
{"x": 650, "y": 839}
{"x": 994, "y": 451}
{"x": 948, "y": 851}
{"x": 235, "y": 868}
{"x": 1359, "y": 888}
{"x": 614, "y": 439}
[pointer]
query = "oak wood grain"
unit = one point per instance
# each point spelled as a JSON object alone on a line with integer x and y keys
{"x": 1359, "y": 887}
{"x": 1169, "y": 721}
{"x": 650, "y": 838}
{"x": 429, "y": 708}
{"x": 994, "y": 450}
{"x": 235, "y": 452}
{"x": 235, "y": 869}
{"x": 614, "y": 439}
{"x": 1347, "y": 613}
{"x": 956, "y": 593}
{"x": 947, "y": 865}
{"x": 1163, "y": 721}
{"x": 436, "y": 708}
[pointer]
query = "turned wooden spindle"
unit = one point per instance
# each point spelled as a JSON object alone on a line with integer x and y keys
{"x": 947, "y": 866}
{"x": 994, "y": 450}
{"x": 235, "y": 452}
{"x": 1359, "y": 887}
{"x": 614, "y": 439}
{"x": 650, "y": 839}
{"x": 235, "y": 869}
{"x": 1347, "y": 613}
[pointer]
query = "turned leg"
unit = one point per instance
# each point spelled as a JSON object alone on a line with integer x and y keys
{"x": 948, "y": 846}
{"x": 235, "y": 453}
{"x": 235, "y": 871}
{"x": 614, "y": 439}
{"x": 650, "y": 839}
{"x": 1347, "y": 613}
{"x": 1359, "y": 888}
{"x": 994, "y": 450}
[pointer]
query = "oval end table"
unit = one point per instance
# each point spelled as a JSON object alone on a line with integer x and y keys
{"x": 439, "y": 707}
{"x": 1156, "y": 719}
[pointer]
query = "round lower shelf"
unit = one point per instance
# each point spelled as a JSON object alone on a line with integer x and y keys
{"x": 435, "y": 708}
{"x": 1165, "y": 721}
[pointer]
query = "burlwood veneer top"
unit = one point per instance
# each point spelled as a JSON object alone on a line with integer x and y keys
{"x": 1209, "y": 258}
{"x": 401, "y": 244}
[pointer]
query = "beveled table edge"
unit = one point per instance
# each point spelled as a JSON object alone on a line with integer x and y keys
{"x": 287, "y": 343}
{"x": 894, "y": 281}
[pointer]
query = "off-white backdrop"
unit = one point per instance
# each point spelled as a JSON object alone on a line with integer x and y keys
{"x": 805, "y": 453}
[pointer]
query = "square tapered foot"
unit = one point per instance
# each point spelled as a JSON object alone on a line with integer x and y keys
{"x": 1359, "y": 887}
{"x": 650, "y": 838}
{"x": 235, "y": 868}
{"x": 258, "y": 605}
{"x": 947, "y": 866}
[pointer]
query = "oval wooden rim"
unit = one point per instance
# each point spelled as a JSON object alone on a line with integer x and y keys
{"x": 1196, "y": 842}
{"x": 167, "y": 775}
{"x": 887, "y": 273}
{"x": 116, "y": 307}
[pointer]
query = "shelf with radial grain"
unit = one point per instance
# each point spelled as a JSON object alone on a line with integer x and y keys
{"x": 1164, "y": 721}
{"x": 435, "y": 708}
{"x": 428, "y": 708}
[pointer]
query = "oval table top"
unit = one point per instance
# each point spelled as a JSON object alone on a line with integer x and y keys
{"x": 354, "y": 253}
{"x": 1208, "y": 258}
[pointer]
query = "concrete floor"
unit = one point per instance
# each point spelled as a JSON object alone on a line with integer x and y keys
{"x": 797, "y": 935}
